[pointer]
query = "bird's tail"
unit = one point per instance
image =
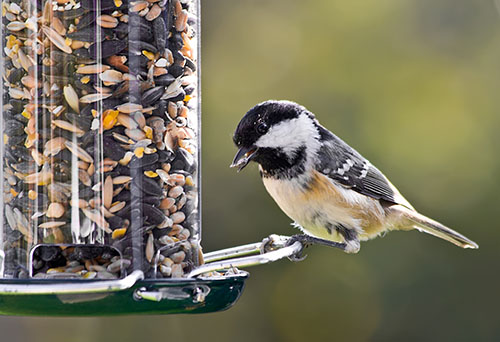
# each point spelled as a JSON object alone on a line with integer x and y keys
{"x": 424, "y": 224}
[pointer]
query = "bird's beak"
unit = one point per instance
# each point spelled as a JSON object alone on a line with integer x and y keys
{"x": 243, "y": 157}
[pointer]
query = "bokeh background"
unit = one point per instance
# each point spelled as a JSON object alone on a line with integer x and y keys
{"x": 411, "y": 84}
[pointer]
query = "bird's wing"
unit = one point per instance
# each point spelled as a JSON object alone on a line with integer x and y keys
{"x": 343, "y": 164}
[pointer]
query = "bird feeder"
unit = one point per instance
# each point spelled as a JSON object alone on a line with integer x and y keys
{"x": 100, "y": 163}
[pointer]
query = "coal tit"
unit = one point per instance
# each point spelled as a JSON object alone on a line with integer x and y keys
{"x": 334, "y": 195}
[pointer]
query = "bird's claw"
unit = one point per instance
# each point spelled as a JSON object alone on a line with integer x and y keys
{"x": 274, "y": 242}
{"x": 299, "y": 256}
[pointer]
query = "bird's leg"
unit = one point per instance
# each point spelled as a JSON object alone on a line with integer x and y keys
{"x": 307, "y": 240}
{"x": 350, "y": 237}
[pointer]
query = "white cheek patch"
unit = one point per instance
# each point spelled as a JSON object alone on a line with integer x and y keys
{"x": 290, "y": 135}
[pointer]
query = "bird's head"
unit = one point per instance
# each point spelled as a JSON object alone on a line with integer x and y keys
{"x": 279, "y": 135}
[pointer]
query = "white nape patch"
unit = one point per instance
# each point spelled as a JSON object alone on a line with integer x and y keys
{"x": 292, "y": 134}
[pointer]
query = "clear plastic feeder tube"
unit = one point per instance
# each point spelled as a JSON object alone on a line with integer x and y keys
{"x": 100, "y": 150}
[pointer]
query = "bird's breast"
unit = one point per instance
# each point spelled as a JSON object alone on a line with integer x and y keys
{"x": 318, "y": 205}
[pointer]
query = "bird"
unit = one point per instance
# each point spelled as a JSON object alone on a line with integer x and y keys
{"x": 334, "y": 195}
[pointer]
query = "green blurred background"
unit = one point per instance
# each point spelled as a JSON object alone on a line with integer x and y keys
{"x": 411, "y": 84}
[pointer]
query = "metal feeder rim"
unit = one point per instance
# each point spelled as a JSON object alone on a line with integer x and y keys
{"x": 77, "y": 286}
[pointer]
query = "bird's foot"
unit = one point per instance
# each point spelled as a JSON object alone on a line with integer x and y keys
{"x": 274, "y": 242}
{"x": 303, "y": 239}
{"x": 352, "y": 246}
{"x": 307, "y": 240}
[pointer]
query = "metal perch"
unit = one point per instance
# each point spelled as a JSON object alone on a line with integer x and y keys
{"x": 268, "y": 250}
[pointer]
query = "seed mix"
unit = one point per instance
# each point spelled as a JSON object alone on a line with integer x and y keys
{"x": 100, "y": 122}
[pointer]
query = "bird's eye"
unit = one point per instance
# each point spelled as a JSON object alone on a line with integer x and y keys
{"x": 261, "y": 128}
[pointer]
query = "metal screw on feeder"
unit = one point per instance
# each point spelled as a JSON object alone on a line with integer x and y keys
{"x": 99, "y": 162}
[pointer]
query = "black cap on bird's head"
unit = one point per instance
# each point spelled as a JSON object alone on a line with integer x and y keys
{"x": 272, "y": 134}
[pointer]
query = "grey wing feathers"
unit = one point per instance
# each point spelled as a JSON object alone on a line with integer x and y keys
{"x": 343, "y": 164}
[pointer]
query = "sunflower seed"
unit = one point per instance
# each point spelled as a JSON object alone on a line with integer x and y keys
{"x": 88, "y": 34}
{"x": 108, "y": 48}
{"x": 160, "y": 34}
{"x": 152, "y": 96}
{"x": 85, "y": 21}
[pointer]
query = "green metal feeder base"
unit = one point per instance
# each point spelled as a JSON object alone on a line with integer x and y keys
{"x": 172, "y": 296}
{"x": 135, "y": 295}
